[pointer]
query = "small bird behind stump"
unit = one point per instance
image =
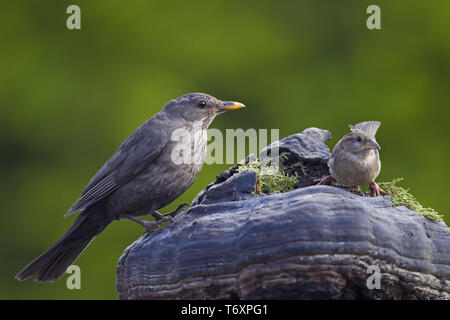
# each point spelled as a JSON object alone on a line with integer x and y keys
{"x": 149, "y": 170}
{"x": 355, "y": 160}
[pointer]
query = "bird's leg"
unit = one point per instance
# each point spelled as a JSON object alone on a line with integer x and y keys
{"x": 376, "y": 189}
{"x": 149, "y": 225}
{"x": 324, "y": 180}
{"x": 158, "y": 216}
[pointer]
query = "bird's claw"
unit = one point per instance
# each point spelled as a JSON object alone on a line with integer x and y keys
{"x": 377, "y": 191}
{"x": 153, "y": 225}
{"x": 324, "y": 180}
{"x": 158, "y": 216}
{"x": 150, "y": 225}
{"x": 180, "y": 208}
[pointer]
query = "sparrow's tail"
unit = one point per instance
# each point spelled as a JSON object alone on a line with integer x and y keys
{"x": 53, "y": 263}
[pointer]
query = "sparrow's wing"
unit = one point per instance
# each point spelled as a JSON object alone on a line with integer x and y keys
{"x": 368, "y": 127}
{"x": 133, "y": 155}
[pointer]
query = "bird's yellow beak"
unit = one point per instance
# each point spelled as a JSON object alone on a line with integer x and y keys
{"x": 372, "y": 144}
{"x": 229, "y": 105}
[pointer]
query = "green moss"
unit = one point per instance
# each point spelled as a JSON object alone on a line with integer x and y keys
{"x": 302, "y": 167}
{"x": 401, "y": 197}
{"x": 269, "y": 179}
{"x": 284, "y": 155}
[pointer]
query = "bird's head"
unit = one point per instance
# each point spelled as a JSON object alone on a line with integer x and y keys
{"x": 357, "y": 141}
{"x": 362, "y": 137}
{"x": 199, "y": 107}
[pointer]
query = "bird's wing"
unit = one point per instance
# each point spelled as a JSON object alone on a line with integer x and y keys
{"x": 133, "y": 155}
{"x": 338, "y": 148}
{"x": 368, "y": 127}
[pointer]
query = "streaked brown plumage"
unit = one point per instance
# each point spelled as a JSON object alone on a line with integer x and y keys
{"x": 355, "y": 159}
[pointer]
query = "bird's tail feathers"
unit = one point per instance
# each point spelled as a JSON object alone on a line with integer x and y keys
{"x": 53, "y": 263}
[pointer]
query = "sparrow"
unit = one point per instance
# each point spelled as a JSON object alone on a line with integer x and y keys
{"x": 355, "y": 159}
{"x": 150, "y": 169}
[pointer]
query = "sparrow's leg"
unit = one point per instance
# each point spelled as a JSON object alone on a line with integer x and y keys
{"x": 324, "y": 180}
{"x": 149, "y": 225}
{"x": 158, "y": 216}
{"x": 377, "y": 191}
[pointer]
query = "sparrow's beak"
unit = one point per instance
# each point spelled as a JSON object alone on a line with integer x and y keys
{"x": 229, "y": 105}
{"x": 372, "y": 144}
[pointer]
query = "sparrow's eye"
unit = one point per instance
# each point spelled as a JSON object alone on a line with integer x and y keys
{"x": 202, "y": 104}
{"x": 358, "y": 139}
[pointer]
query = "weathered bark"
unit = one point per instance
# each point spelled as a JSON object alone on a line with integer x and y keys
{"x": 315, "y": 242}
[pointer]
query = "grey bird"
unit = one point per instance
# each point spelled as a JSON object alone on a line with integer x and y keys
{"x": 150, "y": 169}
{"x": 355, "y": 159}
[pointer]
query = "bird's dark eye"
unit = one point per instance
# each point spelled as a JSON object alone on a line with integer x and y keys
{"x": 358, "y": 139}
{"x": 202, "y": 104}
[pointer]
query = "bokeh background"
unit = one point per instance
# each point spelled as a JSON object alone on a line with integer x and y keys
{"x": 69, "y": 98}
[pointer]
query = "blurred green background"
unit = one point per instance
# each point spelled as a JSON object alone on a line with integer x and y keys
{"x": 69, "y": 98}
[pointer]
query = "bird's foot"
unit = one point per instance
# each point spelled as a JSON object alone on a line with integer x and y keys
{"x": 324, "y": 180}
{"x": 158, "y": 216}
{"x": 376, "y": 190}
{"x": 150, "y": 225}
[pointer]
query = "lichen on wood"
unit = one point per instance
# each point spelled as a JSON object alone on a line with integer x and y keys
{"x": 270, "y": 179}
{"x": 402, "y": 197}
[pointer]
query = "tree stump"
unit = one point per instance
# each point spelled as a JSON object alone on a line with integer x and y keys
{"x": 315, "y": 242}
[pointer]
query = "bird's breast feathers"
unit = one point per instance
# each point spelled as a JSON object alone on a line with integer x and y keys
{"x": 355, "y": 169}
